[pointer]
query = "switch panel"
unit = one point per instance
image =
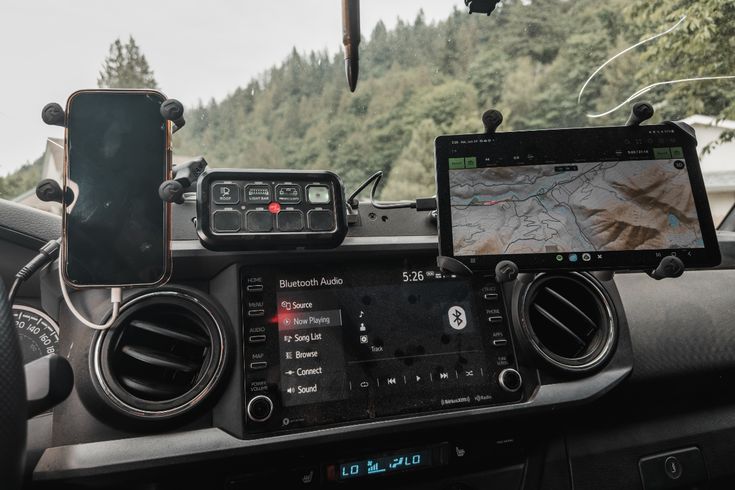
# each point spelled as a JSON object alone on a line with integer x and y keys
{"x": 263, "y": 210}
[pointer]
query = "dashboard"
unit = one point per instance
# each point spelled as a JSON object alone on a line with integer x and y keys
{"x": 367, "y": 364}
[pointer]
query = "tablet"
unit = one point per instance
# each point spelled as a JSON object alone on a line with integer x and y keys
{"x": 616, "y": 198}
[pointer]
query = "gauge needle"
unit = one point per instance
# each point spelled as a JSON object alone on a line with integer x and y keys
{"x": 351, "y": 40}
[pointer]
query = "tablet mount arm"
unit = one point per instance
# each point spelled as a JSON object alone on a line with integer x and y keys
{"x": 49, "y": 190}
{"x": 670, "y": 266}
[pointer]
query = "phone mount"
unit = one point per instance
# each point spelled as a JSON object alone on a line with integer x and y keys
{"x": 185, "y": 176}
{"x": 49, "y": 190}
{"x": 670, "y": 266}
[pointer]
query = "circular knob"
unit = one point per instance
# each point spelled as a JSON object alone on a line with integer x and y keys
{"x": 510, "y": 380}
{"x": 260, "y": 408}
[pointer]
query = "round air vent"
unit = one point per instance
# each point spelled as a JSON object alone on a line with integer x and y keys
{"x": 162, "y": 357}
{"x": 569, "y": 321}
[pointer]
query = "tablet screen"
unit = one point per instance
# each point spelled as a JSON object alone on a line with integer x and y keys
{"x": 549, "y": 199}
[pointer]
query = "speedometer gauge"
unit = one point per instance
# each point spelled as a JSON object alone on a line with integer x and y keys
{"x": 38, "y": 333}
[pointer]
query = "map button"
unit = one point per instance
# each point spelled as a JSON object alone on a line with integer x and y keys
{"x": 456, "y": 163}
{"x": 661, "y": 153}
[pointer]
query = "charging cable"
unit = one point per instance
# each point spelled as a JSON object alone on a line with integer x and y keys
{"x": 420, "y": 204}
{"x": 115, "y": 299}
{"x": 46, "y": 254}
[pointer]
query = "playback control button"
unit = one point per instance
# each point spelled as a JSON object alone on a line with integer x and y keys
{"x": 260, "y": 408}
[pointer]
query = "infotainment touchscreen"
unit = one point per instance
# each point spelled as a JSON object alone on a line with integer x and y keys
{"x": 333, "y": 343}
{"x": 594, "y": 198}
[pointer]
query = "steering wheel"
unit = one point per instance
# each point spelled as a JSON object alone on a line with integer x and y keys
{"x": 13, "y": 409}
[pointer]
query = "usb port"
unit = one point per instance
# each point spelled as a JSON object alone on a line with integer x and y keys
{"x": 258, "y": 365}
{"x": 495, "y": 319}
{"x": 254, "y": 313}
{"x": 256, "y": 339}
{"x": 254, "y": 288}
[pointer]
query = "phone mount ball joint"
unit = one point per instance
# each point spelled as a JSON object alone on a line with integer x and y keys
{"x": 49, "y": 190}
{"x": 506, "y": 271}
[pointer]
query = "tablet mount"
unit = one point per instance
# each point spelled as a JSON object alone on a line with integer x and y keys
{"x": 670, "y": 266}
{"x": 184, "y": 175}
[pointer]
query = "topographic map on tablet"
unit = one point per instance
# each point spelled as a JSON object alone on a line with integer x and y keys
{"x": 595, "y": 206}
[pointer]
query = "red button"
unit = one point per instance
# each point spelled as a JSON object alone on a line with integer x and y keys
{"x": 274, "y": 208}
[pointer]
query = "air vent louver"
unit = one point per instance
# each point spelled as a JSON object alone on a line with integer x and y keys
{"x": 161, "y": 357}
{"x": 568, "y": 321}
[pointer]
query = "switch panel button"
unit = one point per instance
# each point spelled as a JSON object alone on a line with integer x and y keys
{"x": 226, "y": 221}
{"x": 318, "y": 194}
{"x": 258, "y": 193}
{"x": 226, "y": 193}
{"x": 290, "y": 221}
{"x": 259, "y": 221}
{"x": 321, "y": 220}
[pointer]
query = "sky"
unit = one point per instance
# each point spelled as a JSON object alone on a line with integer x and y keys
{"x": 50, "y": 48}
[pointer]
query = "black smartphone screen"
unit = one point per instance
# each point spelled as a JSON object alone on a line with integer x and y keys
{"x": 116, "y": 226}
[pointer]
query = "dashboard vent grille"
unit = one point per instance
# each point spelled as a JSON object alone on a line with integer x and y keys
{"x": 162, "y": 356}
{"x": 569, "y": 321}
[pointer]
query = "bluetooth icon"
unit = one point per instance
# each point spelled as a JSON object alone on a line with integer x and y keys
{"x": 457, "y": 317}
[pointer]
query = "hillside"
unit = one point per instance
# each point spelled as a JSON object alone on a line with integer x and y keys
{"x": 418, "y": 80}
{"x": 23, "y": 179}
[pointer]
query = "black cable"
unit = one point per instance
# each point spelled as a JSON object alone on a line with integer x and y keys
{"x": 46, "y": 254}
{"x": 351, "y": 199}
{"x": 375, "y": 180}
{"x": 14, "y": 289}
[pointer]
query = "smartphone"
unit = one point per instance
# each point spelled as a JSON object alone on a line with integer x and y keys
{"x": 116, "y": 229}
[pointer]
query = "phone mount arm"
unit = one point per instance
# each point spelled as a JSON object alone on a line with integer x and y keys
{"x": 491, "y": 120}
{"x": 173, "y": 110}
{"x": 185, "y": 175}
{"x": 670, "y": 266}
{"x": 639, "y": 113}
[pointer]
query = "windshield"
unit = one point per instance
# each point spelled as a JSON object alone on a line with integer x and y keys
{"x": 264, "y": 84}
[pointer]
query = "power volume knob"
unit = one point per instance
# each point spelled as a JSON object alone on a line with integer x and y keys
{"x": 510, "y": 380}
{"x": 260, "y": 408}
